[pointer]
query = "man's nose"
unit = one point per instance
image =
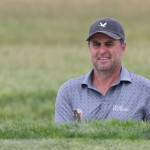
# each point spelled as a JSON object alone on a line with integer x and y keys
{"x": 102, "y": 49}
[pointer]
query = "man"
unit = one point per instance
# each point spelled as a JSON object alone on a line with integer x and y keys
{"x": 108, "y": 91}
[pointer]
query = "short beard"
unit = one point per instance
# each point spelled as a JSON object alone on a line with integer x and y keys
{"x": 111, "y": 68}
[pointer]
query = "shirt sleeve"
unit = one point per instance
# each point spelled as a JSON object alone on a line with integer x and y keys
{"x": 63, "y": 108}
{"x": 147, "y": 106}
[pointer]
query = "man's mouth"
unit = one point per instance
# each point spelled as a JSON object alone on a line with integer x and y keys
{"x": 103, "y": 58}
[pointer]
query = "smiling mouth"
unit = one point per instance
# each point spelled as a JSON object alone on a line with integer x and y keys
{"x": 103, "y": 58}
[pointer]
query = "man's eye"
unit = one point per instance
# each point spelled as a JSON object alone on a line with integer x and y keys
{"x": 109, "y": 44}
{"x": 96, "y": 44}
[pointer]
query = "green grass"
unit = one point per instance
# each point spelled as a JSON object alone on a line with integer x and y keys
{"x": 112, "y": 129}
{"x": 42, "y": 44}
{"x": 74, "y": 144}
{"x": 39, "y": 135}
{"x": 66, "y": 22}
{"x": 31, "y": 77}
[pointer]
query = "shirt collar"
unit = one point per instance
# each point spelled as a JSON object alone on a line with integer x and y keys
{"x": 124, "y": 77}
{"x": 87, "y": 78}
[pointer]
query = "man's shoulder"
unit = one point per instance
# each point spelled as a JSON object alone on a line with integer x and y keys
{"x": 74, "y": 82}
{"x": 139, "y": 79}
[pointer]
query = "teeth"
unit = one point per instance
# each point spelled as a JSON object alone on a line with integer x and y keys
{"x": 103, "y": 58}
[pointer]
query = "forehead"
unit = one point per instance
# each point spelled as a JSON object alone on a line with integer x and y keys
{"x": 101, "y": 36}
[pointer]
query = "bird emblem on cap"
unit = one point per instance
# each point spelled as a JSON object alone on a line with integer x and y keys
{"x": 103, "y": 24}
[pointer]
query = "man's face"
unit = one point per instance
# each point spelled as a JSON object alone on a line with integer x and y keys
{"x": 105, "y": 52}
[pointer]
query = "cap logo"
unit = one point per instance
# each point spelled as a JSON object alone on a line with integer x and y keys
{"x": 103, "y": 24}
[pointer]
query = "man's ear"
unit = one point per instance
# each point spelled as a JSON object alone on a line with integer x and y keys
{"x": 123, "y": 46}
{"x": 89, "y": 45}
{"x": 89, "y": 49}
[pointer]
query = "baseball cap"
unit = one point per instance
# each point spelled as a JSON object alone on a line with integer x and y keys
{"x": 108, "y": 26}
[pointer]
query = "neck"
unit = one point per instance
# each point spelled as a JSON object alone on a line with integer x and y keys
{"x": 104, "y": 80}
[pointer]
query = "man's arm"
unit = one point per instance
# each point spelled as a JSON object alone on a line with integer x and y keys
{"x": 63, "y": 108}
{"x": 147, "y": 106}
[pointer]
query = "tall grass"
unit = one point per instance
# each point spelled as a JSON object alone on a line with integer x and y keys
{"x": 20, "y": 129}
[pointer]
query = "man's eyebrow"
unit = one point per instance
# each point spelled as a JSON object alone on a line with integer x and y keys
{"x": 110, "y": 42}
{"x": 96, "y": 42}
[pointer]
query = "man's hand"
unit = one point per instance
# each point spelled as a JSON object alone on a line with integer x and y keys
{"x": 78, "y": 115}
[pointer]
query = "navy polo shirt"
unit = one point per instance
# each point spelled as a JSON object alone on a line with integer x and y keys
{"x": 128, "y": 98}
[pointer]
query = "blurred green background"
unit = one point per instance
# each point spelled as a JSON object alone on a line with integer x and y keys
{"x": 42, "y": 44}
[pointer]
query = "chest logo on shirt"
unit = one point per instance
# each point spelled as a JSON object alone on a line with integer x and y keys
{"x": 120, "y": 108}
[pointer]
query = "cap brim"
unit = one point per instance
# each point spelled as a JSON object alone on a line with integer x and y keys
{"x": 112, "y": 35}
